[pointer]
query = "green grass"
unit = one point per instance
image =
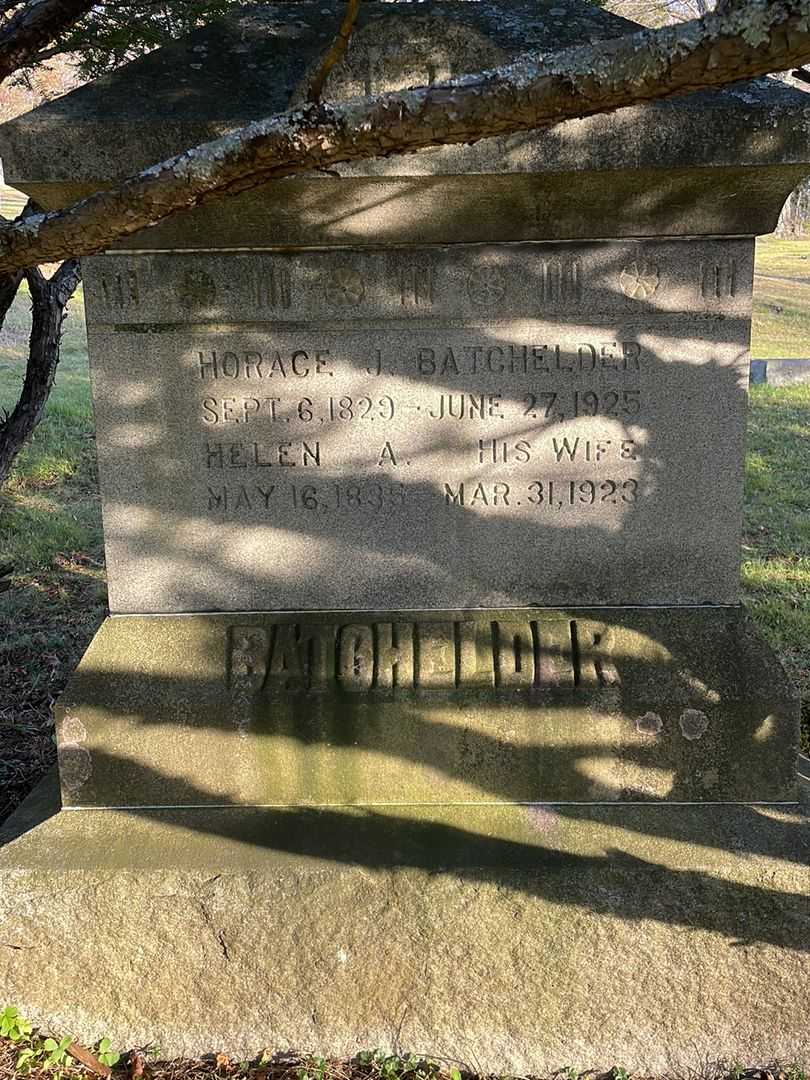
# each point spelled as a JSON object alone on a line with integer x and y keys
{"x": 50, "y": 522}
{"x": 375, "y": 1064}
{"x": 776, "y": 540}
{"x": 781, "y": 324}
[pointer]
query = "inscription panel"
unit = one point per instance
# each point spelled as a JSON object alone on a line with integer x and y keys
{"x": 441, "y": 427}
{"x": 426, "y": 707}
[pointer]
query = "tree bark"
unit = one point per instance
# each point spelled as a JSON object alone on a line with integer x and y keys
{"x": 33, "y": 27}
{"x": 49, "y": 298}
{"x": 336, "y": 51}
{"x": 753, "y": 39}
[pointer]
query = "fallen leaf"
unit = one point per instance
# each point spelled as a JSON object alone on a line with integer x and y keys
{"x": 137, "y": 1065}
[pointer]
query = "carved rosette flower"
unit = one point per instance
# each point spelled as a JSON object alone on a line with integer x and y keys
{"x": 486, "y": 285}
{"x": 196, "y": 289}
{"x": 639, "y": 280}
{"x": 345, "y": 286}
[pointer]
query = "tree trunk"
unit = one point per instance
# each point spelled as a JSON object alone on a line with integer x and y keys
{"x": 795, "y": 213}
{"x": 49, "y": 299}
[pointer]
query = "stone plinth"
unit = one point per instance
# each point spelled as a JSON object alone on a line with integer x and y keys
{"x": 509, "y": 939}
{"x": 440, "y": 708}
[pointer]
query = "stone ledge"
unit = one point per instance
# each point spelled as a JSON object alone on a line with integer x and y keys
{"x": 656, "y": 937}
{"x": 215, "y": 79}
{"x": 607, "y": 705}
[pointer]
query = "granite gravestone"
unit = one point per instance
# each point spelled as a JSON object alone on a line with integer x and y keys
{"x": 422, "y": 493}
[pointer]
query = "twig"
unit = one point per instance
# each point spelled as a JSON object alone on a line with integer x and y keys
{"x": 89, "y": 1060}
{"x": 336, "y": 51}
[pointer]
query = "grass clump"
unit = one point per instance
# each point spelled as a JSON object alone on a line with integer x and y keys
{"x": 25, "y": 1051}
{"x": 40, "y": 1055}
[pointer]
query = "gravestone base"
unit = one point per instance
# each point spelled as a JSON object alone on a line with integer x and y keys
{"x": 351, "y": 708}
{"x": 657, "y": 937}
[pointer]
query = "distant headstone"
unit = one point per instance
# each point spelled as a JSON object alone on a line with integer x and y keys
{"x": 780, "y": 372}
{"x": 422, "y": 496}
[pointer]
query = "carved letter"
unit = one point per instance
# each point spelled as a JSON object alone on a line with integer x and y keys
{"x": 356, "y": 658}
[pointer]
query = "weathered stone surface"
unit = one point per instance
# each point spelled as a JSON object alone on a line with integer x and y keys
{"x": 640, "y": 171}
{"x": 486, "y": 208}
{"x": 428, "y": 708}
{"x": 255, "y": 63}
{"x": 430, "y": 427}
{"x": 656, "y": 937}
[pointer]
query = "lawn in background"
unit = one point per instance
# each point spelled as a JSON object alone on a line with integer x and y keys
{"x": 776, "y": 531}
{"x": 781, "y": 325}
{"x": 50, "y": 521}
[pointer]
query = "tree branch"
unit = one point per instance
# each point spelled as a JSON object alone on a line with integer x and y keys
{"x": 10, "y": 283}
{"x": 336, "y": 51}
{"x": 763, "y": 36}
{"x": 33, "y": 27}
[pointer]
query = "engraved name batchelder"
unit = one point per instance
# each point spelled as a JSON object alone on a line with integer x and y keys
{"x": 455, "y": 654}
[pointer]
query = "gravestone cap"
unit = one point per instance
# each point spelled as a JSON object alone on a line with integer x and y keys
{"x": 258, "y": 61}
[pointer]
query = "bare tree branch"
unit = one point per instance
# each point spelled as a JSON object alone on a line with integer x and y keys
{"x": 49, "y": 300}
{"x": 33, "y": 27}
{"x": 650, "y": 64}
{"x": 338, "y": 48}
